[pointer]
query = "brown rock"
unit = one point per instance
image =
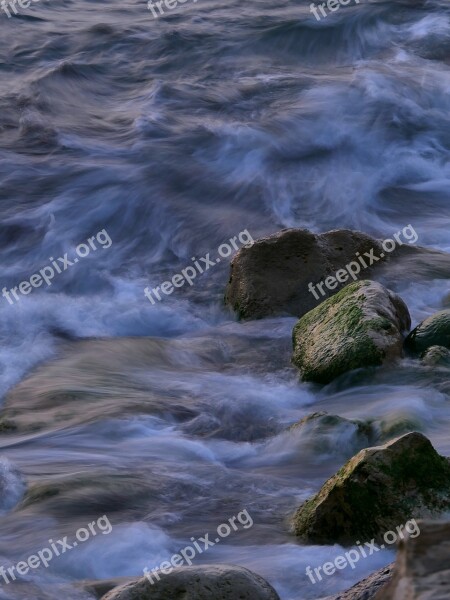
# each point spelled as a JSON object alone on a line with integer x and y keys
{"x": 422, "y": 568}
{"x": 367, "y": 588}
{"x": 271, "y": 277}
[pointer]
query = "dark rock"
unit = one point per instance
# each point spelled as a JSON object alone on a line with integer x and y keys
{"x": 377, "y": 490}
{"x": 272, "y": 277}
{"x": 211, "y": 582}
{"x": 434, "y": 331}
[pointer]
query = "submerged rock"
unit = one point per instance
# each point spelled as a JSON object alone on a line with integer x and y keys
{"x": 436, "y": 356}
{"x": 421, "y": 570}
{"x": 211, "y": 582}
{"x": 324, "y": 434}
{"x": 434, "y": 331}
{"x": 361, "y": 326}
{"x": 377, "y": 490}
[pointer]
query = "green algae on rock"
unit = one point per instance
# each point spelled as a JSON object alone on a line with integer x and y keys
{"x": 436, "y": 356}
{"x": 377, "y": 490}
{"x": 361, "y": 326}
{"x": 434, "y": 331}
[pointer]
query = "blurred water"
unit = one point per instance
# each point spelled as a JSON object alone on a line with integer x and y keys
{"x": 175, "y": 135}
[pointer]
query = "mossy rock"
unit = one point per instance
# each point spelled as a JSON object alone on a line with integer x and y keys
{"x": 377, "y": 490}
{"x": 361, "y": 326}
{"x": 436, "y": 356}
{"x": 434, "y": 331}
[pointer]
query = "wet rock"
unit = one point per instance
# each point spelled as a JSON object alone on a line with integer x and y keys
{"x": 436, "y": 356}
{"x": 396, "y": 423}
{"x": 434, "y": 331}
{"x": 421, "y": 570}
{"x": 271, "y": 277}
{"x": 367, "y": 588}
{"x": 361, "y": 326}
{"x": 377, "y": 490}
{"x": 211, "y": 582}
{"x": 323, "y": 434}
{"x": 99, "y": 587}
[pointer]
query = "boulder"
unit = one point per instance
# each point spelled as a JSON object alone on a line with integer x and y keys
{"x": 361, "y": 326}
{"x": 367, "y": 588}
{"x": 377, "y": 490}
{"x": 421, "y": 570}
{"x": 210, "y": 582}
{"x": 434, "y": 331}
{"x": 272, "y": 276}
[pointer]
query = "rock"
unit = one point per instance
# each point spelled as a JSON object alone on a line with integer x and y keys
{"x": 367, "y": 588}
{"x": 434, "y": 331}
{"x": 361, "y": 326}
{"x": 321, "y": 434}
{"x": 396, "y": 423}
{"x": 377, "y": 490}
{"x": 436, "y": 356}
{"x": 211, "y": 582}
{"x": 271, "y": 277}
{"x": 99, "y": 587}
{"x": 422, "y": 567}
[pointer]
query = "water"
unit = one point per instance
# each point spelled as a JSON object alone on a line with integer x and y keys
{"x": 174, "y": 135}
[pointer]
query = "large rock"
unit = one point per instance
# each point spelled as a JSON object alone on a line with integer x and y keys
{"x": 271, "y": 277}
{"x": 211, "y": 582}
{"x": 361, "y": 326}
{"x": 377, "y": 490}
{"x": 422, "y": 569}
{"x": 434, "y": 331}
